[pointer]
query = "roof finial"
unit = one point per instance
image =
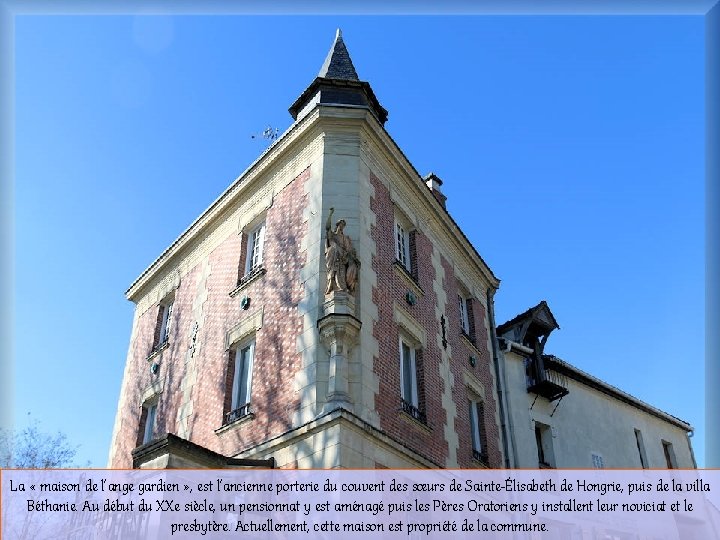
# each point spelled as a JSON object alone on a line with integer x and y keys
{"x": 338, "y": 34}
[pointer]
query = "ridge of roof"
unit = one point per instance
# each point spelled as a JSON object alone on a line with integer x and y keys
{"x": 525, "y": 314}
{"x": 586, "y": 378}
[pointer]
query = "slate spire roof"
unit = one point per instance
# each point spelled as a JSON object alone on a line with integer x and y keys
{"x": 338, "y": 64}
{"x": 338, "y": 85}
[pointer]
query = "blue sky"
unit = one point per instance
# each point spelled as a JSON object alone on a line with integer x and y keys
{"x": 571, "y": 149}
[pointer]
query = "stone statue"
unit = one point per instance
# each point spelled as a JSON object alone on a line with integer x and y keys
{"x": 340, "y": 258}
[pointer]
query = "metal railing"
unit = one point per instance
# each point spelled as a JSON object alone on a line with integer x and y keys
{"x": 237, "y": 414}
{"x": 413, "y": 411}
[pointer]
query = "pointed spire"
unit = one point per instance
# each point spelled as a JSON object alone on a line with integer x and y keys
{"x": 338, "y": 85}
{"x": 338, "y": 64}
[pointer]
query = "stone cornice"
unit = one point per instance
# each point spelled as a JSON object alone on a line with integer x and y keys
{"x": 329, "y": 419}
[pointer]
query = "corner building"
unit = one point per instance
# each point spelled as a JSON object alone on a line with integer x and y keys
{"x": 248, "y": 344}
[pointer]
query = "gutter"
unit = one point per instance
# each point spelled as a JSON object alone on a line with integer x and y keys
{"x": 500, "y": 380}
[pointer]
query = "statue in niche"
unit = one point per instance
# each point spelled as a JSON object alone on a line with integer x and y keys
{"x": 340, "y": 258}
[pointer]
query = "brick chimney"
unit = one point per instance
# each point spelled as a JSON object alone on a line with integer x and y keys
{"x": 433, "y": 182}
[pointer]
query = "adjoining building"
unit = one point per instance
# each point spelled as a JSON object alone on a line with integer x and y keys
{"x": 560, "y": 416}
{"x": 326, "y": 311}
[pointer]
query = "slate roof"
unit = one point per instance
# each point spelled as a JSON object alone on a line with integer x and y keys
{"x": 338, "y": 64}
{"x": 530, "y": 313}
{"x": 338, "y": 84}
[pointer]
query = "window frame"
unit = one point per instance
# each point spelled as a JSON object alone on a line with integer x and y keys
{"x": 165, "y": 322}
{"x": 411, "y": 372}
{"x": 669, "y": 452}
{"x": 411, "y": 379}
{"x": 477, "y": 428}
{"x": 641, "y": 449}
{"x": 543, "y": 440}
{"x": 150, "y": 420}
{"x": 464, "y": 316}
{"x": 240, "y": 388}
{"x": 255, "y": 248}
{"x": 402, "y": 244}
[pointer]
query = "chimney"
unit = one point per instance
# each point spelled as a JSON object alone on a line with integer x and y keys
{"x": 433, "y": 182}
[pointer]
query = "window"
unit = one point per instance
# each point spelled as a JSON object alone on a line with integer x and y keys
{"x": 148, "y": 417}
{"x": 641, "y": 448}
{"x": 477, "y": 430}
{"x": 402, "y": 246}
{"x": 164, "y": 324}
{"x": 240, "y": 369}
{"x": 597, "y": 461}
{"x": 543, "y": 439}
{"x": 669, "y": 455}
{"x": 464, "y": 321}
{"x": 409, "y": 388}
{"x": 255, "y": 244}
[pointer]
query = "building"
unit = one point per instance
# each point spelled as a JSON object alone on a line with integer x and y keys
{"x": 560, "y": 416}
{"x": 260, "y": 332}
{"x": 326, "y": 311}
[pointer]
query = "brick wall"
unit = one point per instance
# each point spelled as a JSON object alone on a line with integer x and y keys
{"x": 275, "y": 362}
{"x": 391, "y": 287}
{"x": 482, "y": 371}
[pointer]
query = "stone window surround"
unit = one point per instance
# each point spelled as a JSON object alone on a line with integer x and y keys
{"x": 241, "y": 334}
{"x": 247, "y": 226}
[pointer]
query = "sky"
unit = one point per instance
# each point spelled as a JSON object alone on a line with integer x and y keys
{"x": 571, "y": 149}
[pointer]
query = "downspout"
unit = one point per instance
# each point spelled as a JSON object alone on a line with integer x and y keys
{"x": 689, "y": 435}
{"x": 498, "y": 380}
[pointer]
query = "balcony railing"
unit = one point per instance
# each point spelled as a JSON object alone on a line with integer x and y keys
{"x": 413, "y": 411}
{"x": 545, "y": 382}
{"x": 237, "y": 414}
{"x": 479, "y": 456}
{"x": 157, "y": 347}
{"x": 251, "y": 275}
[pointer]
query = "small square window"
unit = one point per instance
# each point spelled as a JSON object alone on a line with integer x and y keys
{"x": 597, "y": 461}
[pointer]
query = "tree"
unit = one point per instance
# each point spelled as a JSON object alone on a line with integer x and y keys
{"x": 31, "y": 448}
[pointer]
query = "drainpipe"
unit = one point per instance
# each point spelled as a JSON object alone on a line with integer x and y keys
{"x": 689, "y": 435}
{"x": 498, "y": 379}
